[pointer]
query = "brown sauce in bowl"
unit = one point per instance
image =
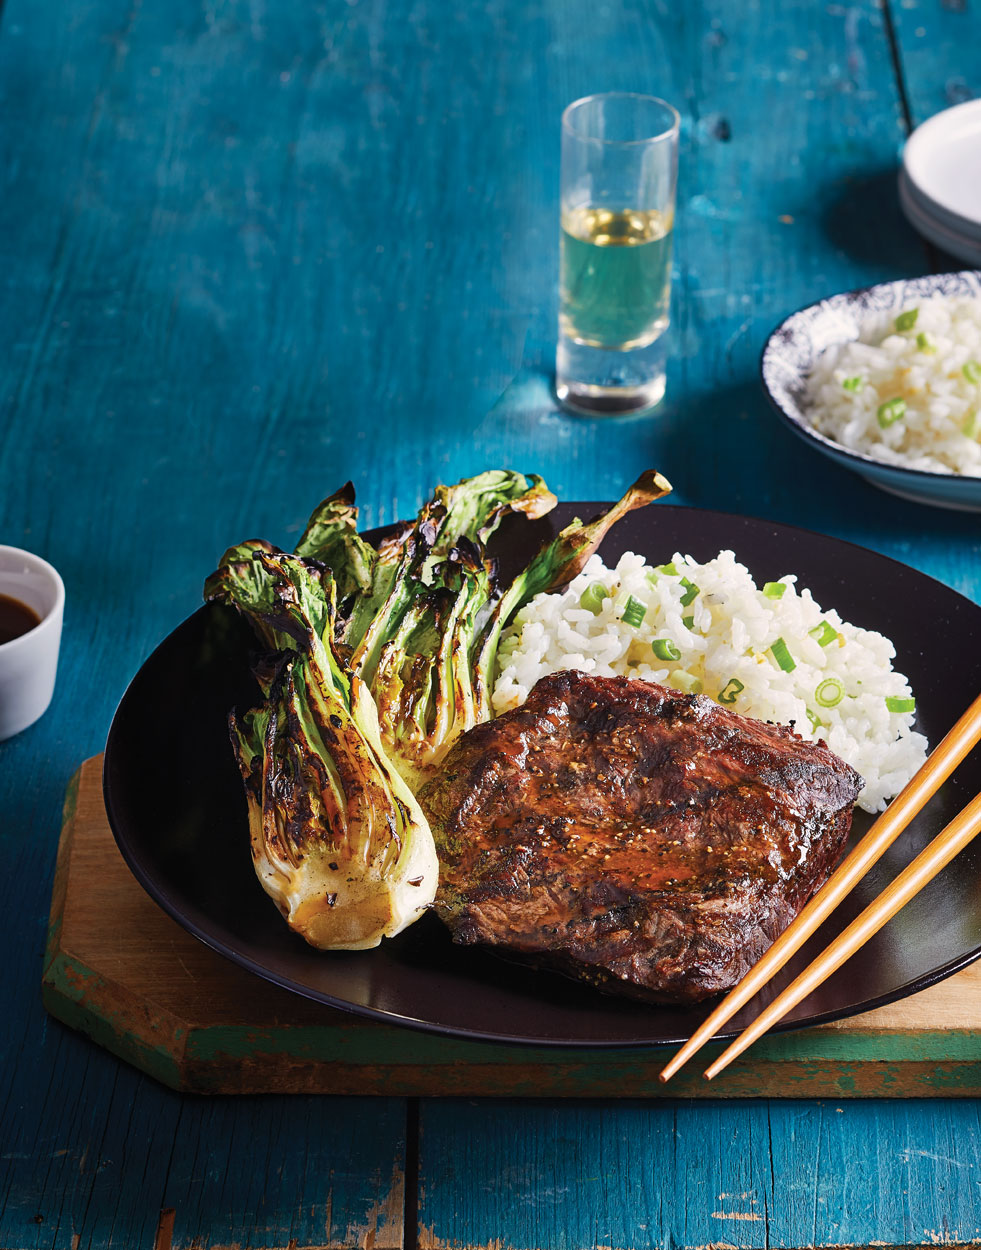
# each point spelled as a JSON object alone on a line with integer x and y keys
{"x": 16, "y": 618}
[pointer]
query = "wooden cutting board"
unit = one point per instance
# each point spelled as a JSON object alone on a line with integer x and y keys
{"x": 118, "y": 969}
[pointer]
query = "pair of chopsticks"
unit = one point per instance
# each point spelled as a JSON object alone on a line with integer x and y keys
{"x": 886, "y": 829}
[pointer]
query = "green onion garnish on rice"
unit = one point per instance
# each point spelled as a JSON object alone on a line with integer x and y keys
{"x": 972, "y": 371}
{"x": 781, "y": 653}
{"x": 688, "y": 622}
{"x": 896, "y": 704}
{"x": 890, "y": 412}
{"x": 971, "y": 426}
{"x": 729, "y": 691}
{"x": 668, "y": 570}
{"x": 665, "y": 649}
{"x": 775, "y": 590}
{"x": 680, "y": 680}
{"x": 691, "y": 592}
{"x": 926, "y": 344}
{"x": 633, "y": 612}
{"x": 907, "y": 320}
{"x": 651, "y": 578}
{"x": 592, "y": 597}
{"x": 823, "y": 633}
{"x": 815, "y": 723}
{"x": 852, "y": 384}
{"x": 829, "y": 693}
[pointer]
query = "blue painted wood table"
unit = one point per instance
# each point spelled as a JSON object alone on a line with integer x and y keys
{"x": 250, "y": 250}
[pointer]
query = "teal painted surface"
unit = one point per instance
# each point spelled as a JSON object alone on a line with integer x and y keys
{"x": 698, "y": 1174}
{"x": 248, "y": 251}
{"x": 932, "y": 38}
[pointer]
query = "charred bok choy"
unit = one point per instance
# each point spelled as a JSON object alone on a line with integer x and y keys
{"x": 375, "y": 661}
{"x": 338, "y": 840}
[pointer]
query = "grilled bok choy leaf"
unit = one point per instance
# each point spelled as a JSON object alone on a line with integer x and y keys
{"x": 424, "y": 636}
{"x": 413, "y": 632}
{"x": 332, "y": 537}
{"x": 338, "y": 840}
{"x": 471, "y": 510}
{"x": 554, "y": 566}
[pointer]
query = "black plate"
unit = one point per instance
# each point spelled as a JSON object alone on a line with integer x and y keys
{"x": 176, "y": 807}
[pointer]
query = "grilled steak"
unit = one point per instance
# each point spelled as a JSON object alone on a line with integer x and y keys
{"x": 648, "y": 842}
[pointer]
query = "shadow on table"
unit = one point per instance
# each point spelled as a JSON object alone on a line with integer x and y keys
{"x": 725, "y": 451}
{"x": 863, "y": 218}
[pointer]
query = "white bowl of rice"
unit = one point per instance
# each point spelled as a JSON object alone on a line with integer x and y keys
{"x": 887, "y": 382}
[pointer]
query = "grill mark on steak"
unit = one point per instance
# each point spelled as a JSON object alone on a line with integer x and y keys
{"x": 648, "y": 842}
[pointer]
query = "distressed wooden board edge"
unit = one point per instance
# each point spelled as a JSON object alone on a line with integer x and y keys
{"x": 84, "y": 1000}
{"x": 86, "y": 1015}
{"x": 259, "y": 1075}
{"x": 59, "y": 887}
{"x": 331, "y": 1061}
{"x": 368, "y": 1042}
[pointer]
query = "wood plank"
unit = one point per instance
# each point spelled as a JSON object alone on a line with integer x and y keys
{"x": 937, "y": 47}
{"x": 697, "y": 1176}
{"x": 122, "y": 972}
{"x": 107, "y": 1150}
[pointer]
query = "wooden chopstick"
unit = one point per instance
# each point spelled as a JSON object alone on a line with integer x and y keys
{"x": 961, "y": 830}
{"x": 922, "y": 786}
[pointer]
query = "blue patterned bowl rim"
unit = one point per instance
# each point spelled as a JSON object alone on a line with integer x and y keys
{"x": 791, "y": 350}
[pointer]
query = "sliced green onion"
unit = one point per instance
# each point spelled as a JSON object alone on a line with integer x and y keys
{"x": 972, "y": 371}
{"x": 823, "y": 633}
{"x": 651, "y": 578}
{"x": 815, "y": 723}
{"x": 852, "y": 384}
{"x": 925, "y": 343}
{"x": 688, "y": 622}
{"x": 890, "y": 412}
{"x": 665, "y": 649}
{"x": 829, "y": 693}
{"x": 729, "y": 691}
{"x": 691, "y": 592}
{"x": 907, "y": 320}
{"x": 680, "y": 680}
{"x": 633, "y": 612}
{"x": 781, "y": 653}
{"x": 668, "y": 570}
{"x": 895, "y": 704}
{"x": 592, "y": 597}
{"x": 971, "y": 426}
{"x": 775, "y": 590}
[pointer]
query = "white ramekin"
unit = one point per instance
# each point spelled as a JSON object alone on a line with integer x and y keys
{"x": 28, "y": 663}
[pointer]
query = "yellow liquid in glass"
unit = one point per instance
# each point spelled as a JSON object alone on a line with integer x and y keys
{"x": 615, "y": 276}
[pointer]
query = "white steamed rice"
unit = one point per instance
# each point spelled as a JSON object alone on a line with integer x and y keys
{"x": 923, "y": 365}
{"x": 734, "y": 625}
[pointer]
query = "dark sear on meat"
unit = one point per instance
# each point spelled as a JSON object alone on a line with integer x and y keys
{"x": 648, "y": 842}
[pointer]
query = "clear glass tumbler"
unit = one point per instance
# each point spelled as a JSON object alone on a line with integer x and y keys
{"x": 619, "y": 173}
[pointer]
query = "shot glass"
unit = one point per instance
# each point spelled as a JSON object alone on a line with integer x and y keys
{"x": 619, "y": 174}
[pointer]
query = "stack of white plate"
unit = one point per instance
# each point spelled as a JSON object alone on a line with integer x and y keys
{"x": 940, "y": 181}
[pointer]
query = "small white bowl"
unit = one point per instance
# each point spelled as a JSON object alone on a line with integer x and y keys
{"x": 29, "y": 662}
{"x": 935, "y": 228}
{"x": 942, "y": 160}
